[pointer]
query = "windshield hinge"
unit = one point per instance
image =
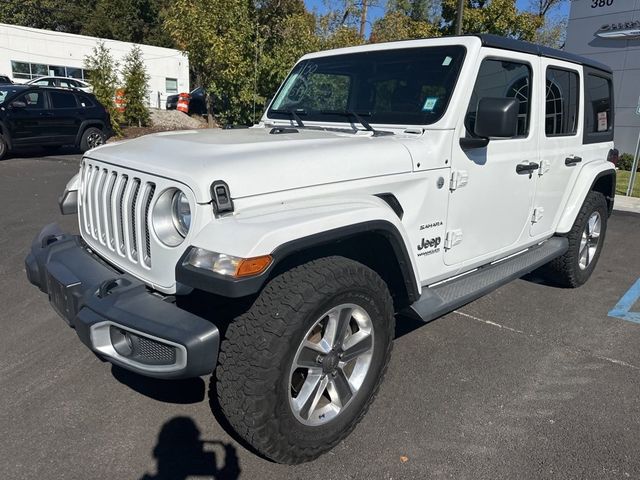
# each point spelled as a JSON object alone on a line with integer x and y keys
{"x": 459, "y": 178}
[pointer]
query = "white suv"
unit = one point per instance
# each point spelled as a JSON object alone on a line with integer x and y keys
{"x": 402, "y": 177}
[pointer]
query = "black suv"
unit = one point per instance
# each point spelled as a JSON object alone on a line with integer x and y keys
{"x": 51, "y": 117}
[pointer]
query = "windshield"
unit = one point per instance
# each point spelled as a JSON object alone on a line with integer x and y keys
{"x": 409, "y": 86}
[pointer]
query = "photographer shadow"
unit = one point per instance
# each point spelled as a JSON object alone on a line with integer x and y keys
{"x": 180, "y": 454}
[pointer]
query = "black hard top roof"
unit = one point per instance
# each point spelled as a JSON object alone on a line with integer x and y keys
{"x": 505, "y": 43}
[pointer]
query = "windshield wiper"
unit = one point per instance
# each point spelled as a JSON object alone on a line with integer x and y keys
{"x": 293, "y": 115}
{"x": 358, "y": 117}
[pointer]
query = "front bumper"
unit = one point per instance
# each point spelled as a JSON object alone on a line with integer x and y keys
{"x": 116, "y": 315}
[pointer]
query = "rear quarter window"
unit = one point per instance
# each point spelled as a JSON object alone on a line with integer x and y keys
{"x": 85, "y": 101}
{"x": 598, "y": 107}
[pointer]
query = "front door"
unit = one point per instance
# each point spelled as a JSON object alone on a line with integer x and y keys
{"x": 560, "y": 143}
{"x": 27, "y": 122}
{"x": 491, "y": 198}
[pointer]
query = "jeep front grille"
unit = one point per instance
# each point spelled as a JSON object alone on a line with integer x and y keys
{"x": 114, "y": 210}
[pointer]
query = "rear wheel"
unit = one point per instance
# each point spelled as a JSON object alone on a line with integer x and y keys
{"x": 92, "y": 137}
{"x": 300, "y": 368}
{"x": 585, "y": 244}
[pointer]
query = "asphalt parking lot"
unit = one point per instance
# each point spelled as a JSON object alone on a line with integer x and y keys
{"x": 529, "y": 382}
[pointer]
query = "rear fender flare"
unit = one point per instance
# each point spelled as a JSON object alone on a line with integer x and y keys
{"x": 587, "y": 178}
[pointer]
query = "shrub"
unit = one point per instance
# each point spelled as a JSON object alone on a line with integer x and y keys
{"x": 103, "y": 77}
{"x": 625, "y": 162}
{"x": 136, "y": 89}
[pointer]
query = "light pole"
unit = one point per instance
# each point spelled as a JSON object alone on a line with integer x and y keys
{"x": 459, "y": 17}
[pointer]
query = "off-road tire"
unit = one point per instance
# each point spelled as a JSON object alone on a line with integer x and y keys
{"x": 85, "y": 140}
{"x": 4, "y": 148}
{"x": 565, "y": 270}
{"x": 252, "y": 378}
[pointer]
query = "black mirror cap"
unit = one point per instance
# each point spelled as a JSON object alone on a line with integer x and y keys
{"x": 497, "y": 117}
{"x": 18, "y": 104}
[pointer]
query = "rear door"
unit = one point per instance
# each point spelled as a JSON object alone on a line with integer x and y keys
{"x": 64, "y": 116}
{"x": 490, "y": 202}
{"x": 560, "y": 142}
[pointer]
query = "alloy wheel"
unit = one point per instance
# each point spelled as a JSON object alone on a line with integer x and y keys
{"x": 331, "y": 364}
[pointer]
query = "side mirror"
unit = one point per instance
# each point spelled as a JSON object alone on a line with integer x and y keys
{"x": 496, "y": 117}
{"x": 18, "y": 104}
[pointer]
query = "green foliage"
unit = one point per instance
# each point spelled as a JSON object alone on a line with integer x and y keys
{"x": 136, "y": 88}
{"x": 137, "y": 21}
{"x": 217, "y": 36}
{"x": 500, "y": 17}
{"x": 104, "y": 79}
{"x": 625, "y": 162}
{"x": 398, "y": 26}
{"x": 68, "y": 16}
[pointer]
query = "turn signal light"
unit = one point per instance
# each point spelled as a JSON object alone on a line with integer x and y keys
{"x": 253, "y": 266}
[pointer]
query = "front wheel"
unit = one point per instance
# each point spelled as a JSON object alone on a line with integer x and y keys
{"x": 585, "y": 244}
{"x": 300, "y": 368}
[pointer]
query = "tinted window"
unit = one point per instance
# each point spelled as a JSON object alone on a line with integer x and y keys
{"x": 62, "y": 100}
{"x": 598, "y": 116}
{"x": 561, "y": 111}
{"x": 410, "y": 86}
{"x": 499, "y": 78}
{"x": 33, "y": 100}
{"x": 85, "y": 101}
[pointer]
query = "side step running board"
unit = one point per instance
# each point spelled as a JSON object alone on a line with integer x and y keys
{"x": 445, "y": 297}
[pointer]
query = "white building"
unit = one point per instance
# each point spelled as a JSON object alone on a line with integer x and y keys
{"x": 27, "y": 53}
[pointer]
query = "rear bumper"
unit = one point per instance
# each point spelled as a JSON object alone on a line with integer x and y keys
{"x": 115, "y": 315}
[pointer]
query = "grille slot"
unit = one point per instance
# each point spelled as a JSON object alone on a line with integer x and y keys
{"x": 114, "y": 211}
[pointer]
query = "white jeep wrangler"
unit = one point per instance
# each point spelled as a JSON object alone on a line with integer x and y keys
{"x": 402, "y": 177}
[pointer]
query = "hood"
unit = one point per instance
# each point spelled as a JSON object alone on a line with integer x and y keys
{"x": 253, "y": 161}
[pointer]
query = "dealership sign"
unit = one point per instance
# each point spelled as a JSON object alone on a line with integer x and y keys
{"x": 620, "y": 30}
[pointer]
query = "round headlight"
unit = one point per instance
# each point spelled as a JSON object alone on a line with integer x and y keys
{"x": 181, "y": 212}
{"x": 171, "y": 217}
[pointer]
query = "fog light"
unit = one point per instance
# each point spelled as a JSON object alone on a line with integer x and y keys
{"x": 121, "y": 341}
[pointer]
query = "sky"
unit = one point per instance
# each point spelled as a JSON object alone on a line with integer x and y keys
{"x": 378, "y": 11}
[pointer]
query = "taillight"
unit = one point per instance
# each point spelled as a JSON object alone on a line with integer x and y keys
{"x": 613, "y": 156}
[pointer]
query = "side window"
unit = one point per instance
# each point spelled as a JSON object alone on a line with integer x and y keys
{"x": 501, "y": 78}
{"x": 62, "y": 100}
{"x": 561, "y": 106}
{"x": 598, "y": 105}
{"x": 33, "y": 100}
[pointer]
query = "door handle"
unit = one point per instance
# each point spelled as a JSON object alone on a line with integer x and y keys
{"x": 572, "y": 160}
{"x": 527, "y": 167}
{"x": 46, "y": 114}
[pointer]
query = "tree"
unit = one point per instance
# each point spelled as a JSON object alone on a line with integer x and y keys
{"x": 217, "y": 36}
{"x": 104, "y": 79}
{"x": 395, "y": 25}
{"x": 136, "y": 88}
{"x": 500, "y": 17}
{"x": 142, "y": 21}
{"x": 68, "y": 16}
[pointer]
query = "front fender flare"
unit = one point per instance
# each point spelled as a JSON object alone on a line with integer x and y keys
{"x": 293, "y": 228}
{"x": 588, "y": 176}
